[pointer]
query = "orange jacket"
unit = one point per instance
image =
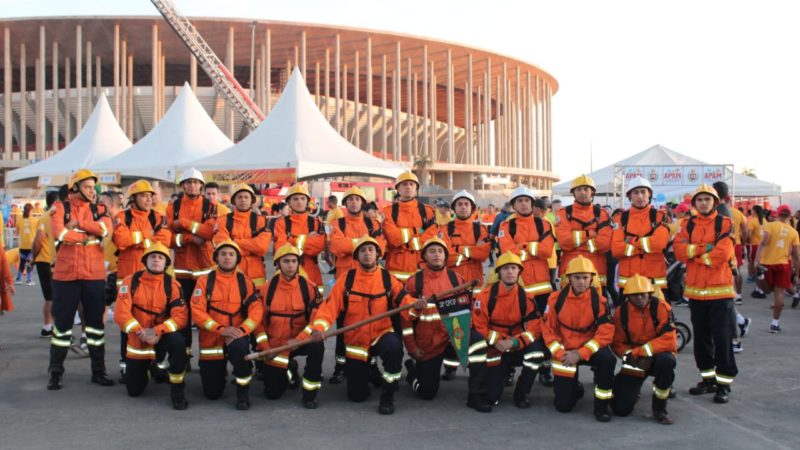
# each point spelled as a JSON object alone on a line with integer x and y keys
{"x": 580, "y": 232}
{"x": 505, "y": 320}
{"x": 148, "y": 307}
{"x": 575, "y": 327}
{"x": 191, "y": 260}
{"x": 708, "y": 274}
{"x": 6, "y": 303}
{"x": 405, "y": 232}
{"x": 533, "y": 249}
{"x": 340, "y": 243}
{"x": 467, "y": 254}
{"x": 359, "y": 307}
{"x": 287, "y": 314}
{"x": 80, "y": 255}
{"x": 423, "y": 330}
{"x": 644, "y": 338}
{"x": 300, "y": 236}
{"x": 253, "y": 243}
{"x": 639, "y": 247}
{"x": 131, "y": 240}
{"x": 224, "y": 307}
{"x": 488, "y": 219}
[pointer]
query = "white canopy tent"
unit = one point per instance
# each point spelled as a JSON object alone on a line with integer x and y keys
{"x": 184, "y": 134}
{"x": 99, "y": 140}
{"x": 296, "y": 134}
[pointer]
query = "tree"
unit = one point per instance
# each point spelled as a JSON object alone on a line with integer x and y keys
{"x": 749, "y": 171}
{"x": 421, "y": 165}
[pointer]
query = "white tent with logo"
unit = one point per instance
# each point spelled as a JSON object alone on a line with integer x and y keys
{"x": 100, "y": 139}
{"x": 184, "y": 134}
{"x": 296, "y": 135}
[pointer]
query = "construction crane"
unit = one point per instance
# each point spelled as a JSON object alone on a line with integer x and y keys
{"x": 222, "y": 78}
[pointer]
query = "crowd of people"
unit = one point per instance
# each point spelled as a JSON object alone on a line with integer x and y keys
{"x": 571, "y": 286}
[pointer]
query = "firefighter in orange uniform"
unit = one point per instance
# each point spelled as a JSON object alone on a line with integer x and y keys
{"x": 343, "y": 234}
{"x": 507, "y": 317}
{"x": 578, "y": 330}
{"x": 226, "y": 308}
{"x": 640, "y": 237}
{"x": 705, "y": 245}
{"x": 468, "y": 239}
{"x": 644, "y": 337}
{"x": 150, "y": 310}
{"x": 191, "y": 218}
{"x": 79, "y": 225}
{"x": 407, "y": 225}
{"x": 249, "y": 230}
{"x": 303, "y": 231}
{"x": 584, "y": 229}
{"x": 360, "y": 293}
{"x": 290, "y": 301}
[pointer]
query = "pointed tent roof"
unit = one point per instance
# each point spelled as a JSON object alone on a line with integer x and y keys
{"x": 658, "y": 155}
{"x": 296, "y": 134}
{"x": 184, "y": 134}
{"x": 100, "y": 139}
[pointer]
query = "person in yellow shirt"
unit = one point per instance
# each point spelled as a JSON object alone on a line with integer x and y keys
{"x": 754, "y": 224}
{"x": 443, "y": 213}
{"x": 44, "y": 255}
{"x": 26, "y": 227}
{"x": 334, "y": 212}
{"x": 779, "y": 243}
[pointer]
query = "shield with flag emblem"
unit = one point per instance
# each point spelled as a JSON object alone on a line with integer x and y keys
{"x": 456, "y": 314}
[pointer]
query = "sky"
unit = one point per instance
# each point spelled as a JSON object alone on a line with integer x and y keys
{"x": 716, "y": 80}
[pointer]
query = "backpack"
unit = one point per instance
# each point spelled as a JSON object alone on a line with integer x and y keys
{"x": 151, "y": 218}
{"x": 418, "y": 281}
{"x": 254, "y": 230}
{"x": 584, "y": 225}
{"x": 423, "y": 214}
{"x": 387, "y": 286}
{"x": 246, "y": 301}
{"x": 273, "y": 285}
{"x": 654, "y": 224}
{"x": 167, "y": 291}
{"x": 718, "y": 235}
{"x": 476, "y": 230}
{"x": 623, "y": 318}
{"x": 287, "y": 220}
{"x": 523, "y": 307}
{"x": 598, "y": 320}
{"x": 512, "y": 228}
{"x": 176, "y": 208}
{"x": 96, "y": 215}
{"x": 367, "y": 222}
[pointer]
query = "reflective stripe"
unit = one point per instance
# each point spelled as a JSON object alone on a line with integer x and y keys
{"x": 533, "y": 355}
{"x": 523, "y": 255}
{"x": 340, "y": 359}
{"x": 476, "y": 291}
{"x": 103, "y": 226}
{"x": 357, "y": 352}
{"x": 95, "y": 331}
{"x": 195, "y": 227}
{"x": 691, "y": 251}
{"x": 130, "y": 325}
{"x": 467, "y": 251}
{"x": 249, "y": 324}
{"x": 629, "y": 249}
{"x": 592, "y": 345}
{"x": 62, "y": 234}
{"x": 95, "y": 342}
{"x": 416, "y": 243}
{"x": 621, "y": 281}
{"x": 477, "y": 359}
{"x": 476, "y": 347}
{"x": 723, "y": 379}
{"x": 163, "y": 365}
{"x": 706, "y": 259}
{"x": 392, "y": 377}
{"x": 602, "y": 279}
{"x": 635, "y": 370}
{"x": 171, "y": 325}
{"x": 648, "y": 350}
{"x": 450, "y": 363}
{"x": 200, "y": 273}
{"x": 408, "y": 331}
{"x": 529, "y": 336}
{"x": 141, "y": 352}
{"x": 554, "y": 347}
{"x": 308, "y": 330}
{"x": 301, "y": 242}
{"x": 558, "y": 367}
{"x": 213, "y": 351}
{"x": 576, "y": 236}
{"x": 603, "y": 394}
{"x": 493, "y": 359}
{"x": 281, "y": 360}
{"x": 147, "y": 243}
{"x": 592, "y": 245}
{"x": 309, "y": 385}
{"x": 137, "y": 237}
{"x": 259, "y": 281}
{"x": 493, "y": 337}
{"x": 406, "y": 234}
{"x": 325, "y": 325}
{"x": 722, "y": 291}
{"x": 539, "y": 288}
{"x": 210, "y": 324}
{"x": 119, "y": 283}
{"x": 244, "y": 381}
{"x": 401, "y": 276}
{"x": 182, "y": 272}
{"x": 533, "y": 248}
{"x": 662, "y": 394}
{"x": 60, "y": 342}
{"x": 645, "y": 242}
{"x": 178, "y": 243}
{"x": 262, "y": 337}
{"x": 176, "y": 378}
{"x": 531, "y": 365}
{"x": 430, "y": 317}
{"x": 459, "y": 260}
{"x": 710, "y": 373}
{"x": 660, "y": 281}
{"x": 62, "y": 334}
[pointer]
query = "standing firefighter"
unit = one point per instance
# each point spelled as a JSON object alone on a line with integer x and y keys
{"x": 79, "y": 225}
{"x": 507, "y": 317}
{"x": 644, "y": 337}
{"x": 290, "y": 301}
{"x": 578, "y": 330}
{"x": 468, "y": 239}
{"x": 360, "y": 293}
{"x": 705, "y": 245}
{"x": 226, "y": 307}
{"x": 303, "y": 231}
{"x": 408, "y": 224}
{"x": 150, "y": 310}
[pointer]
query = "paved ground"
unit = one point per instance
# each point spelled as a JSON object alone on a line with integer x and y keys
{"x": 762, "y": 413}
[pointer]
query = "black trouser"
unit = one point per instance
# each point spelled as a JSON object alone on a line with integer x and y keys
{"x": 714, "y": 323}
{"x": 136, "y": 374}
{"x": 340, "y": 349}
{"x": 111, "y": 289}
{"x": 212, "y": 372}
{"x": 187, "y": 288}
{"x": 530, "y": 358}
{"x": 627, "y": 387}
{"x": 45, "y": 271}
{"x": 541, "y": 306}
{"x": 66, "y": 297}
{"x": 23, "y": 261}
{"x": 389, "y": 349}
{"x": 276, "y": 380}
{"x": 566, "y": 388}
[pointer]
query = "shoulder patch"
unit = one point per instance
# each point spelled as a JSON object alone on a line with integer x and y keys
{"x": 476, "y": 304}
{"x": 197, "y": 292}
{"x": 123, "y": 289}
{"x": 502, "y": 233}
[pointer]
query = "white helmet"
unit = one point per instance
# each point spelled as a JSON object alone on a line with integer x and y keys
{"x": 462, "y": 194}
{"x": 521, "y": 191}
{"x": 191, "y": 174}
{"x": 638, "y": 182}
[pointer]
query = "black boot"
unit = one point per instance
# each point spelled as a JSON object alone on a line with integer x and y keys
{"x": 122, "y": 367}
{"x": 294, "y": 376}
{"x": 449, "y": 374}
{"x": 310, "y": 399}
{"x": 721, "y": 395}
{"x": 579, "y": 389}
{"x": 242, "y": 397}
{"x": 56, "y": 369}
{"x": 411, "y": 371}
{"x": 546, "y": 377}
{"x": 601, "y": 412}
{"x": 55, "y": 382}
{"x": 524, "y": 384}
{"x": 386, "y": 405}
{"x": 704, "y": 387}
{"x": 338, "y": 374}
{"x": 509, "y": 380}
{"x": 97, "y": 355}
{"x": 158, "y": 374}
{"x": 178, "y": 399}
{"x": 660, "y": 411}
{"x": 478, "y": 403}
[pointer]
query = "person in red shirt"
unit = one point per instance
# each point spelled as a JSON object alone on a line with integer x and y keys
{"x": 644, "y": 337}
{"x": 578, "y": 330}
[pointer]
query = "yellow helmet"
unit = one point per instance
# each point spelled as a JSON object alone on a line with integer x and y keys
{"x": 508, "y": 258}
{"x": 228, "y": 243}
{"x": 406, "y": 176}
{"x": 583, "y": 180}
{"x": 298, "y": 189}
{"x": 80, "y": 175}
{"x": 580, "y": 265}
{"x": 435, "y": 241}
{"x": 243, "y": 187}
{"x": 706, "y": 189}
{"x": 363, "y": 241}
{"x": 157, "y": 247}
{"x": 354, "y": 190}
{"x": 140, "y": 186}
{"x": 285, "y": 249}
{"x": 638, "y": 284}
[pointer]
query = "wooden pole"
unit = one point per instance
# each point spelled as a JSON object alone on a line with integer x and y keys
{"x": 8, "y": 141}
{"x": 78, "y": 79}
{"x": 154, "y": 74}
{"x": 337, "y": 87}
{"x": 369, "y": 96}
{"x": 22, "y": 139}
{"x": 357, "y": 101}
{"x": 123, "y": 86}
{"x": 54, "y": 120}
{"x": 116, "y": 72}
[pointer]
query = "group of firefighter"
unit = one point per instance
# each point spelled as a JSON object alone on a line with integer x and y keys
{"x": 197, "y": 266}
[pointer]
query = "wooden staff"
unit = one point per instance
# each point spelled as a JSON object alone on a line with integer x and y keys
{"x": 268, "y": 354}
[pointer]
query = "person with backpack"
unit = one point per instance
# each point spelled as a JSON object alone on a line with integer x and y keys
{"x": 226, "y": 307}
{"x": 79, "y": 225}
{"x": 645, "y": 339}
{"x": 302, "y": 230}
{"x": 363, "y": 292}
{"x": 705, "y": 245}
{"x": 151, "y": 310}
{"x": 248, "y": 229}
{"x": 578, "y": 330}
{"x": 289, "y": 302}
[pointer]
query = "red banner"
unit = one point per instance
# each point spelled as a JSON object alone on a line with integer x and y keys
{"x": 252, "y": 176}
